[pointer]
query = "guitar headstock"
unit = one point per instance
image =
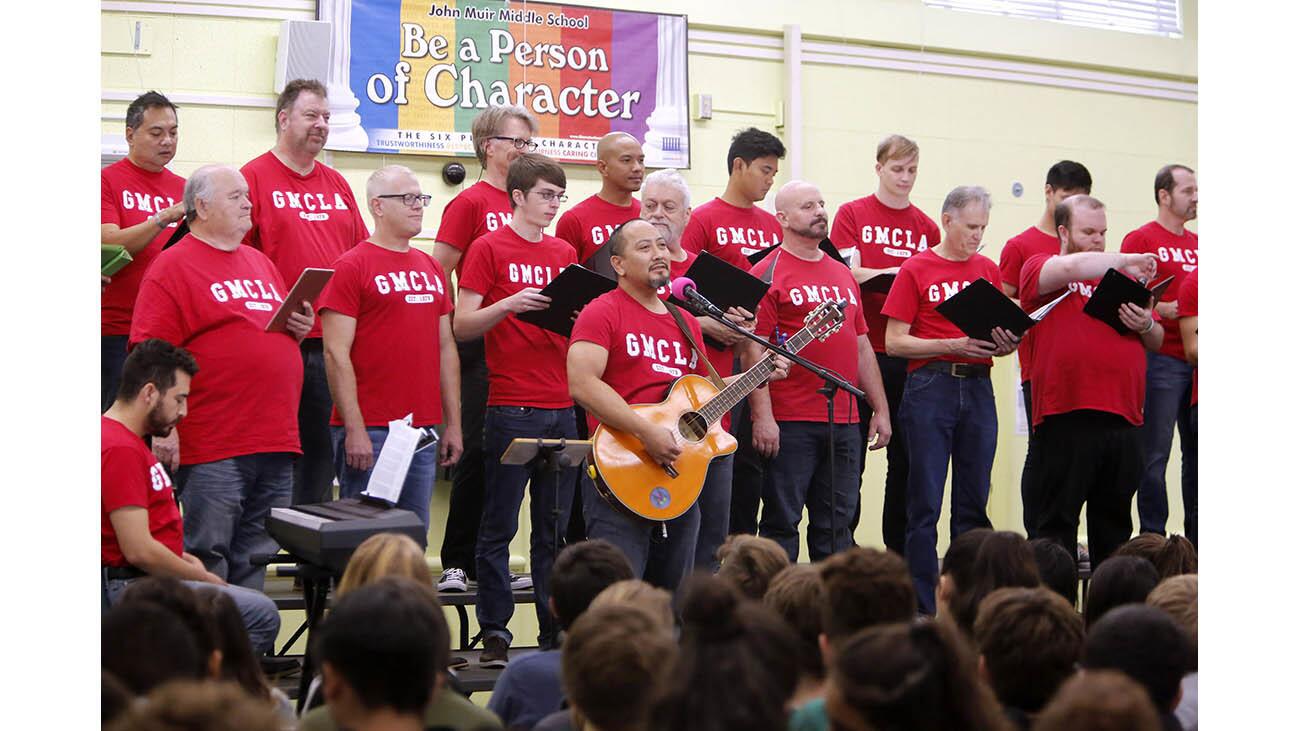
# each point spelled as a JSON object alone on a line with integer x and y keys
{"x": 823, "y": 321}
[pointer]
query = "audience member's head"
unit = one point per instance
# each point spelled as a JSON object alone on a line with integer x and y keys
{"x": 1171, "y": 556}
{"x": 1118, "y": 580}
{"x": 635, "y": 592}
{"x": 864, "y": 587}
{"x": 384, "y": 554}
{"x": 179, "y": 599}
{"x": 199, "y": 706}
{"x": 238, "y": 663}
{"x": 144, "y": 645}
{"x": 1057, "y": 568}
{"x": 381, "y": 650}
{"x": 1176, "y": 595}
{"x": 750, "y": 562}
{"x": 1145, "y": 644}
{"x": 899, "y": 677}
{"x": 114, "y": 697}
{"x": 1029, "y": 643}
{"x": 615, "y": 660}
{"x": 797, "y": 596}
{"x": 956, "y": 568}
{"x": 582, "y": 571}
{"x": 1004, "y": 559}
{"x": 734, "y": 669}
{"x": 1101, "y": 700}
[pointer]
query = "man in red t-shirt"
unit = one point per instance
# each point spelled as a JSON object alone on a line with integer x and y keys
{"x": 1088, "y": 382}
{"x": 385, "y": 293}
{"x": 610, "y": 368}
{"x": 881, "y": 231}
{"x": 947, "y": 409}
{"x": 304, "y": 215}
{"x": 1188, "y": 308}
{"x": 1169, "y": 376}
{"x": 528, "y": 394}
{"x": 140, "y": 203}
{"x": 588, "y": 225}
{"x": 214, "y": 297}
{"x": 791, "y": 427}
{"x": 666, "y": 203}
{"x": 500, "y": 135}
{"x": 1064, "y": 179}
{"x": 140, "y": 526}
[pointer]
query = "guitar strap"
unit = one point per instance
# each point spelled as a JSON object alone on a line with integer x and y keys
{"x": 699, "y": 352}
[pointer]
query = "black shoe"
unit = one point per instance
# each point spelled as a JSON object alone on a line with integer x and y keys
{"x": 456, "y": 662}
{"x": 495, "y": 653}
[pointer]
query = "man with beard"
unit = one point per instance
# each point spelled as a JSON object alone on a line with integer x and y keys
{"x": 140, "y": 529}
{"x": 304, "y": 215}
{"x": 790, "y": 422}
{"x": 588, "y": 225}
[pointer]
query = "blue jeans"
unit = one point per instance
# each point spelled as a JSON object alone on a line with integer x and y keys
{"x": 112, "y": 356}
{"x": 417, "y": 489}
{"x": 715, "y": 512}
{"x": 549, "y": 506}
{"x": 945, "y": 417}
{"x": 800, "y": 474}
{"x": 225, "y": 505}
{"x": 313, "y": 472}
{"x": 1169, "y": 402}
{"x": 261, "y": 618}
{"x": 662, "y": 560}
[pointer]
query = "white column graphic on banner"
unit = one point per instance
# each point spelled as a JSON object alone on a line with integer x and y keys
{"x": 345, "y": 124}
{"x": 666, "y": 141}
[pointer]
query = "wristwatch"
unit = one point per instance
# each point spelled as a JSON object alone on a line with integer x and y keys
{"x": 157, "y": 221}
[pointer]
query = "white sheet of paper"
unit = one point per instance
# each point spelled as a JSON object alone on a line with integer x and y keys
{"x": 389, "y": 473}
{"x": 1038, "y": 314}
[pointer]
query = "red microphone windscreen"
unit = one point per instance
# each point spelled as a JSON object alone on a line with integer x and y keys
{"x": 679, "y": 286}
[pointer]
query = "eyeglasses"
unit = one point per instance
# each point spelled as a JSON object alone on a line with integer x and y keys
{"x": 409, "y": 199}
{"x": 519, "y": 142}
{"x": 549, "y": 196}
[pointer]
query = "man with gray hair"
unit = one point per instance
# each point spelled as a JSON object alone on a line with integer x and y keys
{"x": 215, "y": 298}
{"x": 304, "y": 215}
{"x": 947, "y": 409}
{"x": 384, "y": 291}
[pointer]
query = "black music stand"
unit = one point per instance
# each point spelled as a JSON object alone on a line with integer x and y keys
{"x": 556, "y": 455}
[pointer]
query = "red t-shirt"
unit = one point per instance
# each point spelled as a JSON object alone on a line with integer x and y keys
{"x": 398, "y": 299}
{"x": 729, "y": 232}
{"x": 129, "y": 475}
{"x": 924, "y": 282}
{"x": 1081, "y": 363}
{"x": 798, "y": 287}
{"x": 1019, "y": 249}
{"x": 216, "y": 304}
{"x": 1188, "y": 304}
{"x": 1176, "y": 256}
{"x": 884, "y": 237}
{"x": 526, "y": 364}
{"x": 301, "y": 221}
{"x": 129, "y": 195}
{"x": 475, "y": 211}
{"x": 587, "y": 226}
{"x": 647, "y": 351}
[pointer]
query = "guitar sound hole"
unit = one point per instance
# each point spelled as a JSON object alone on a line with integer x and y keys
{"x": 692, "y": 426}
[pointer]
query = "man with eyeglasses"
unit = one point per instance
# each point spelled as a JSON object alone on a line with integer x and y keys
{"x": 588, "y": 225}
{"x": 500, "y": 135}
{"x": 304, "y": 215}
{"x": 386, "y": 294}
{"x": 528, "y": 393}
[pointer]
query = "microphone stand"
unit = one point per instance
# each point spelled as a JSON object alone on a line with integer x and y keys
{"x": 831, "y": 380}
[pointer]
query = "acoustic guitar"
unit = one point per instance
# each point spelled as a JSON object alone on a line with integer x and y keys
{"x": 630, "y": 480}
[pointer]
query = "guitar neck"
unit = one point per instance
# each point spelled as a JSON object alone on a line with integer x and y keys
{"x": 738, "y": 389}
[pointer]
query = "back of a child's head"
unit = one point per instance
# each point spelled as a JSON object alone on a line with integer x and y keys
{"x": 749, "y": 562}
{"x": 581, "y": 572}
{"x": 865, "y": 587}
{"x": 640, "y": 594}
{"x": 145, "y": 645}
{"x": 1099, "y": 700}
{"x": 1145, "y": 644}
{"x": 955, "y": 571}
{"x": 179, "y": 599}
{"x": 238, "y": 662}
{"x": 1172, "y": 556}
{"x": 1004, "y": 559}
{"x": 1057, "y": 568}
{"x": 198, "y": 706}
{"x": 797, "y": 595}
{"x": 614, "y": 663}
{"x": 1118, "y": 580}
{"x": 1031, "y": 641}
{"x": 1176, "y": 596}
{"x": 384, "y": 554}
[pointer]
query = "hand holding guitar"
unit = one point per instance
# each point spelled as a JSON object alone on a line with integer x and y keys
{"x": 660, "y": 444}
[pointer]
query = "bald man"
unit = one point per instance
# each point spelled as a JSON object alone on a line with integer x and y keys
{"x": 588, "y": 225}
{"x": 791, "y": 426}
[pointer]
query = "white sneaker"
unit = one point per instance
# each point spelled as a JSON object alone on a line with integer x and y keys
{"x": 521, "y": 582}
{"x": 453, "y": 580}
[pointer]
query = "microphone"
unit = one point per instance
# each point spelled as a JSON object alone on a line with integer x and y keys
{"x": 683, "y": 288}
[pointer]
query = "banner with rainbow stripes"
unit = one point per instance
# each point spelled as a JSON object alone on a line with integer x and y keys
{"x": 421, "y": 72}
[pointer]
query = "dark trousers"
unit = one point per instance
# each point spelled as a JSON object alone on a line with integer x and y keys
{"x": 1089, "y": 457}
{"x": 799, "y": 475}
{"x": 1027, "y": 472}
{"x": 466, "y": 505}
{"x": 112, "y": 356}
{"x": 893, "y": 520}
{"x": 660, "y": 553}
{"x": 576, "y": 532}
{"x": 1168, "y": 402}
{"x": 715, "y": 513}
{"x": 313, "y": 472}
{"x": 746, "y": 474}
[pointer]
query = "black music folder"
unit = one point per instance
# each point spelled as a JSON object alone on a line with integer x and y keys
{"x": 600, "y": 264}
{"x": 825, "y": 246}
{"x": 181, "y": 229}
{"x": 569, "y": 293}
{"x": 980, "y": 307}
{"x": 879, "y": 284}
{"x": 1114, "y": 290}
{"x": 724, "y": 285}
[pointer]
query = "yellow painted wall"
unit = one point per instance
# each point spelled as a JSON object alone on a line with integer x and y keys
{"x": 971, "y": 131}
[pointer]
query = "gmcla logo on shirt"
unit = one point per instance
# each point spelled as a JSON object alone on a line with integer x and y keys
{"x": 304, "y": 202}
{"x": 941, "y": 291}
{"x": 896, "y": 241}
{"x": 1186, "y": 257}
{"x": 749, "y": 240}
{"x": 664, "y": 354}
{"x": 409, "y": 281}
{"x": 132, "y": 201}
{"x": 257, "y": 293}
{"x": 817, "y": 293}
{"x": 158, "y": 477}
